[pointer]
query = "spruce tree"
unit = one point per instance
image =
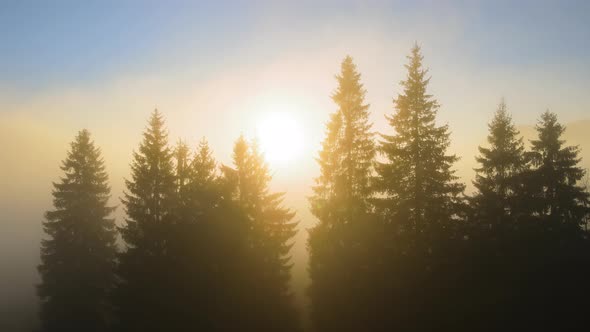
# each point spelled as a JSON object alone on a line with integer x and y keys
{"x": 417, "y": 178}
{"x": 343, "y": 188}
{"x": 270, "y": 230}
{"x": 193, "y": 243}
{"x": 182, "y": 163}
{"x": 203, "y": 164}
{"x": 203, "y": 185}
{"x": 144, "y": 298}
{"x": 183, "y": 175}
{"x": 77, "y": 257}
{"x": 418, "y": 204}
{"x": 557, "y": 174}
{"x": 340, "y": 202}
{"x": 209, "y": 250}
{"x": 499, "y": 178}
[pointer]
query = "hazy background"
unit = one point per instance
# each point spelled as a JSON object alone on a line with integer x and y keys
{"x": 215, "y": 70}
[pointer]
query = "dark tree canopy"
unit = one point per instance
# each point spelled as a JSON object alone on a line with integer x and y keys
{"x": 77, "y": 256}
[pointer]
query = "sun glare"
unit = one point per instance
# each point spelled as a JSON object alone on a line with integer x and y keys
{"x": 280, "y": 137}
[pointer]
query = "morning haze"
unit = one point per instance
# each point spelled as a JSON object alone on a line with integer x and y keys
{"x": 219, "y": 70}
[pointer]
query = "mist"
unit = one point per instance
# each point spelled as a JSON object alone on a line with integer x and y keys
{"x": 60, "y": 78}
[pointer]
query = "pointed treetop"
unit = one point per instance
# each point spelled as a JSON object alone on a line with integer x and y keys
{"x": 502, "y": 119}
{"x": 203, "y": 163}
{"x": 83, "y": 134}
{"x": 549, "y": 120}
{"x": 502, "y": 108}
{"x": 347, "y": 63}
{"x": 350, "y": 89}
{"x": 416, "y": 50}
{"x": 204, "y": 153}
{"x": 240, "y": 148}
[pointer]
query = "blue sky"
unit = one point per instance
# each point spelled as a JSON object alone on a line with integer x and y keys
{"x": 68, "y": 42}
{"x": 49, "y": 43}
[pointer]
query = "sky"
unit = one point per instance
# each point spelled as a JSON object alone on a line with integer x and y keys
{"x": 218, "y": 68}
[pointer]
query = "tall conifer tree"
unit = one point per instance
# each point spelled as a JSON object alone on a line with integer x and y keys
{"x": 498, "y": 179}
{"x": 77, "y": 257}
{"x": 203, "y": 164}
{"x": 417, "y": 178}
{"x": 341, "y": 203}
{"x": 182, "y": 162}
{"x": 270, "y": 231}
{"x": 144, "y": 298}
{"x": 343, "y": 188}
{"x": 557, "y": 174}
{"x": 203, "y": 184}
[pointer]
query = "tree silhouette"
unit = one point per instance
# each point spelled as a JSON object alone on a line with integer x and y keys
{"x": 419, "y": 208}
{"x": 396, "y": 247}
{"x": 559, "y": 197}
{"x": 270, "y": 230}
{"x": 499, "y": 178}
{"x": 343, "y": 188}
{"x": 417, "y": 179}
{"x": 77, "y": 257}
{"x": 203, "y": 164}
{"x": 144, "y": 297}
{"x": 341, "y": 204}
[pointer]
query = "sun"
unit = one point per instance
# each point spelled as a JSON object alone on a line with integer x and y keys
{"x": 280, "y": 137}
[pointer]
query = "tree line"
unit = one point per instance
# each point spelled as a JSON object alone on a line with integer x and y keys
{"x": 206, "y": 247}
{"x": 400, "y": 246}
{"x": 397, "y": 244}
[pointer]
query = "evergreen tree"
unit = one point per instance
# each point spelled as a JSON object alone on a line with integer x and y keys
{"x": 343, "y": 188}
{"x": 208, "y": 250}
{"x": 203, "y": 184}
{"x": 417, "y": 208}
{"x": 193, "y": 242}
{"x": 337, "y": 245}
{"x": 144, "y": 298}
{"x": 182, "y": 163}
{"x": 270, "y": 230}
{"x": 417, "y": 179}
{"x": 77, "y": 257}
{"x": 203, "y": 164}
{"x": 557, "y": 174}
{"x": 498, "y": 179}
{"x": 195, "y": 181}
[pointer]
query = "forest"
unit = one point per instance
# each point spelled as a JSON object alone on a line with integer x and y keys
{"x": 397, "y": 244}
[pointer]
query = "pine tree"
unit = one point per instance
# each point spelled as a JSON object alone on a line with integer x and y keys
{"x": 557, "y": 174}
{"x": 417, "y": 179}
{"x": 77, "y": 257}
{"x": 144, "y": 298}
{"x": 499, "y": 178}
{"x": 270, "y": 231}
{"x": 343, "y": 188}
